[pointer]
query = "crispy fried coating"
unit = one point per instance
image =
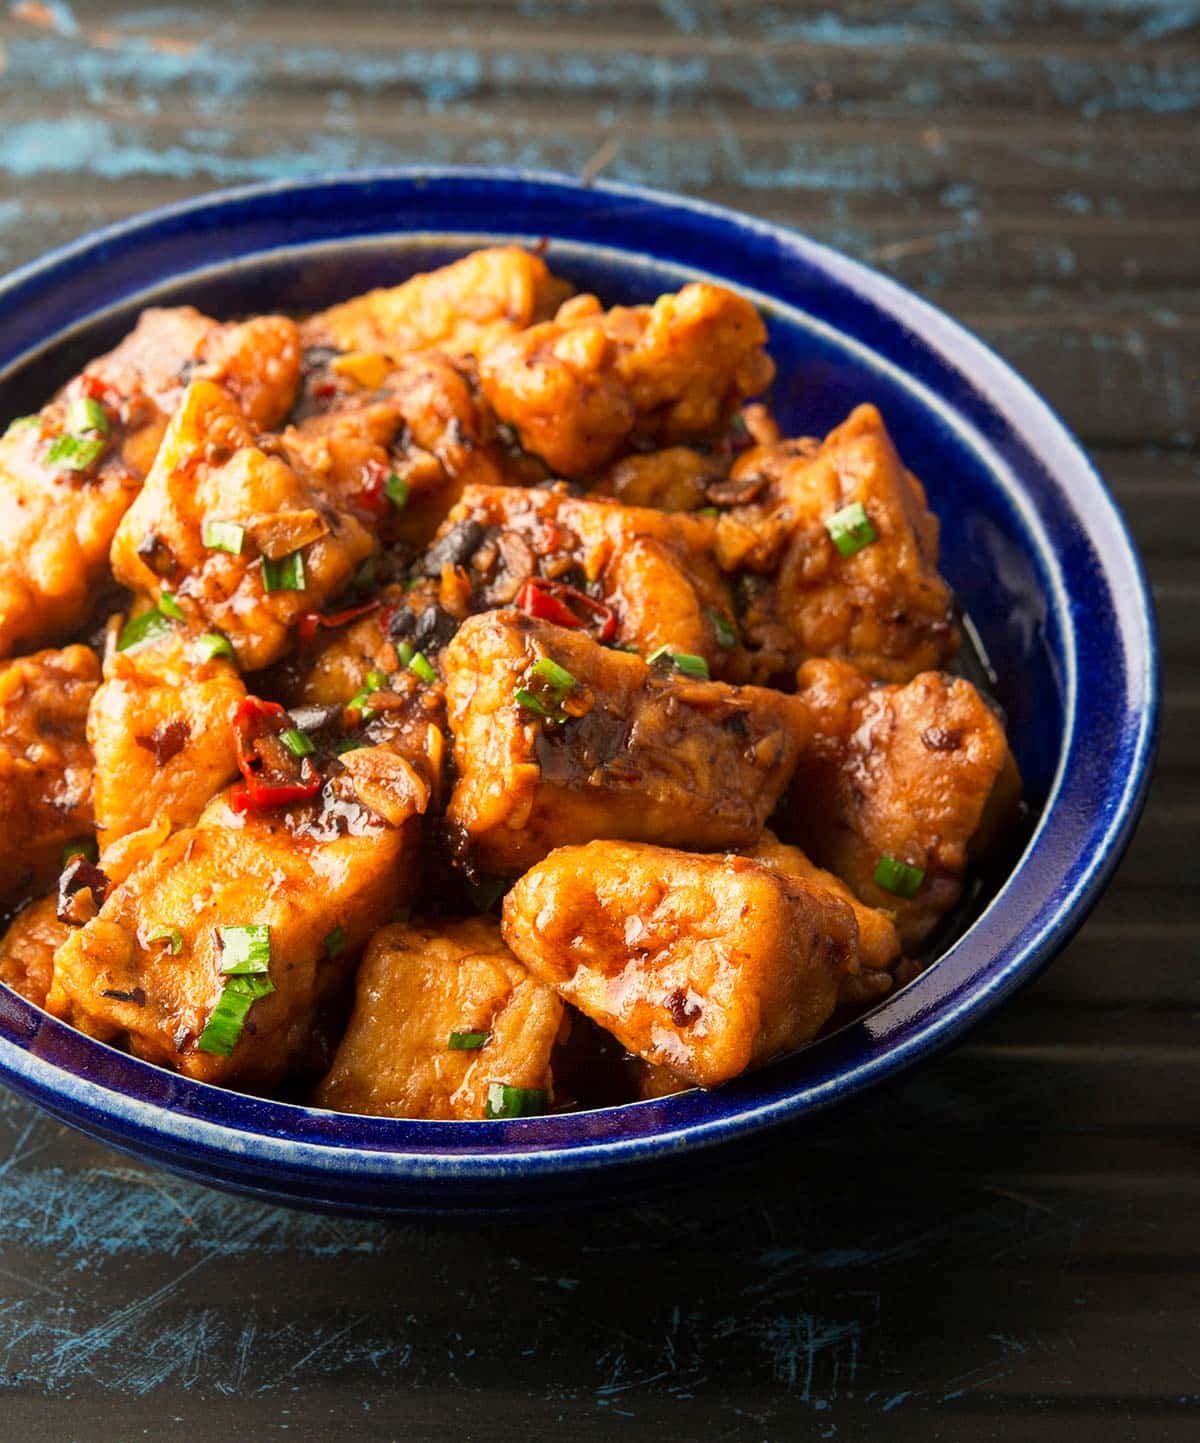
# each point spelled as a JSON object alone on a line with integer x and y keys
{"x": 921, "y": 773}
{"x": 705, "y": 965}
{"x": 304, "y": 873}
{"x": 673, "y": 479}
{"x": 581, "y": 389}
{"x": 27, "y": 949}
{"x": 885, "y": 607}
{"x": 45, "y": 765}
{"x": 419, "y": 983}
{"x": 488, "y": 293}
{"x": 640, "y": 753}
{"x": 161, "y": 732}
{"x": 209, "y": 469}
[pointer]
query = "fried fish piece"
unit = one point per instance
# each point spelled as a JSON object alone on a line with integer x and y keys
{"x": 242, "y": 543}
{"x": 704, "y": 965}
{"x": 45, "y": 765}
{"x": 423, "y": 991}
{"x": 920, "y": 774}
{"x": 27, "y": 949}
{"x": 627, "y": 750}
{"x": 884, "y": 606}
{"x": 490, "y": 292}
{"x": 581, "y": 389}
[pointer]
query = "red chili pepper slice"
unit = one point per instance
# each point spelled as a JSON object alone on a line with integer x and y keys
{"x": 371, "y": 497}
{"x": 253, "y": 720}
{"x": 313, "y": 621}
{"x": 557, "y": 602}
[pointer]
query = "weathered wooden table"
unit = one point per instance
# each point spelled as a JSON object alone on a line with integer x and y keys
{"x": 1005, "y": 1246}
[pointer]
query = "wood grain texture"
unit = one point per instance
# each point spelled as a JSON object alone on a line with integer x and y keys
{"x": 1004, "y": 1246}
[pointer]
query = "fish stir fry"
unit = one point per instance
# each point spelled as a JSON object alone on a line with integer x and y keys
{"x": 466, "y": 703}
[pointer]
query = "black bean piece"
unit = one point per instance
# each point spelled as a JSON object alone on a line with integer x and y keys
{"x": 456, "y": 548}
{"x": 435, "y": 629}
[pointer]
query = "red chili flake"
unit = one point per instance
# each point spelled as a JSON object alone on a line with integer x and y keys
{"x": 561, "y": 604}
{"x": 283, "y": 780}
{"x": 370, "y": 496}
{"x": 313, "y": 621}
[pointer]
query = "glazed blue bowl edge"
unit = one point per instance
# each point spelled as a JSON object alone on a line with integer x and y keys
{"x": 1032, "y": 541}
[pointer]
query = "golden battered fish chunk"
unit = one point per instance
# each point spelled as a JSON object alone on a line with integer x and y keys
{"x": 630, "y": 575}
{"x": 627, "y": 749}
{"x": 584, "y": 388}
{"x": 149, "y": 970}
{"x": 68, "y": 475}
{"x": 227, "y": 529}
{"x": 45, "y": 765}
{"x": 899, "y": 787}
{"x": 27, "y": 949}
{"x": 705, "y": 965}
{"x": 487, "y": 293}
{"x": 883, "y": 606}
{"x": 444, "y": 1014}
{"x": 161, "y": 731}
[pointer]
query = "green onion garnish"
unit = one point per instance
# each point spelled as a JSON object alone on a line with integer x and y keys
{"x": 467, "y": 1041}
{"x": 350, "y": 744}
{"x": 683, "y": 661}
{"x": 298, "y": 742}
{"x": 224, "y": 536}
{"x": 146, "y": 626}
{"x": 526, "y": 699}
{"x": 422, "y": 667}
{"x": 85, "y": 414}
{"x": 172, "y": 936}
{"x": 170, "y": 607}
{"x": 505, "y": 1101}
{"x": 898, "y": 877}
{"x": 211, "y": 645}
{"x": 335, "y": 942}
{"x": 228, "y": 1017}
{"x": 376, "y": 681}
{"x": 404, "y": 652}
{"x": 286, "y": 574}
{"x": 709, "y": 511}
{"x": 851, "y": 529}
{"x": 75, "y": 453}
{"x": 557, "y": 676}
{"x": 83, "y": 847}
{"x": 23, "y": 423}
{"x": 395, "y": 488}
{"x": 245, "y": 950}
{"x": 725, "y": 629}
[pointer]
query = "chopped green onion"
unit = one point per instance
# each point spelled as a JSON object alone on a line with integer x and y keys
{"x": 224, "y": 536}
{"x": 422, "y": 667}
{"x": 557, "y": 676}
{"x": 898, "y": 877}
{"x": 526, "y": 699}
{"x": 335, "y": 943}
{"x": 683, "y": 661}
{"x": 170, "y": 607}
{"x": 395, "y": 488}
{"x": 298, "y": 742}
{"x": 211, "y": 645}
{"x": 85, "y": 414}
{"x": 738, "y": 424}
{"x": 146, "y": 626}
{"x": 467, "y": 1041}
{"x": 505, "y": 1101}
{"x": 413, "y": 582}
{"x": 286, "y": 574}
{"x": 851, "y": 529}
{"x": 726, "y": 631}
{"x": 365, "y": 576}
{"x": 709, "y": 511}
{"x": 404, "y": 652}
{"x": 228, "y": 1017}
{"x": 83, "y": 847}
{"x": 350, "y": 744}
{"x": 245, "y": 950}
{"x": 75, "y": 453}
{"x": 376, "y": 681}
{"x": 172, "y": 936}
{"x": 23, "y": 423}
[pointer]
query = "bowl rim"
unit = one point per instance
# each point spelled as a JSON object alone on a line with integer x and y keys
{"x": 254, "y": 1132}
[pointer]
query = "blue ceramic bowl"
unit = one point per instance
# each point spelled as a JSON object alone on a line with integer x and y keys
{"x": 1032, "y": 545}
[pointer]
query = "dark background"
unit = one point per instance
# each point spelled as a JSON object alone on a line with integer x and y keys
{"x": 1003, "y": 1247}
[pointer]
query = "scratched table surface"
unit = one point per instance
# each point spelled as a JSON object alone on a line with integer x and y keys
{"x": 1005, "y": 1246}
